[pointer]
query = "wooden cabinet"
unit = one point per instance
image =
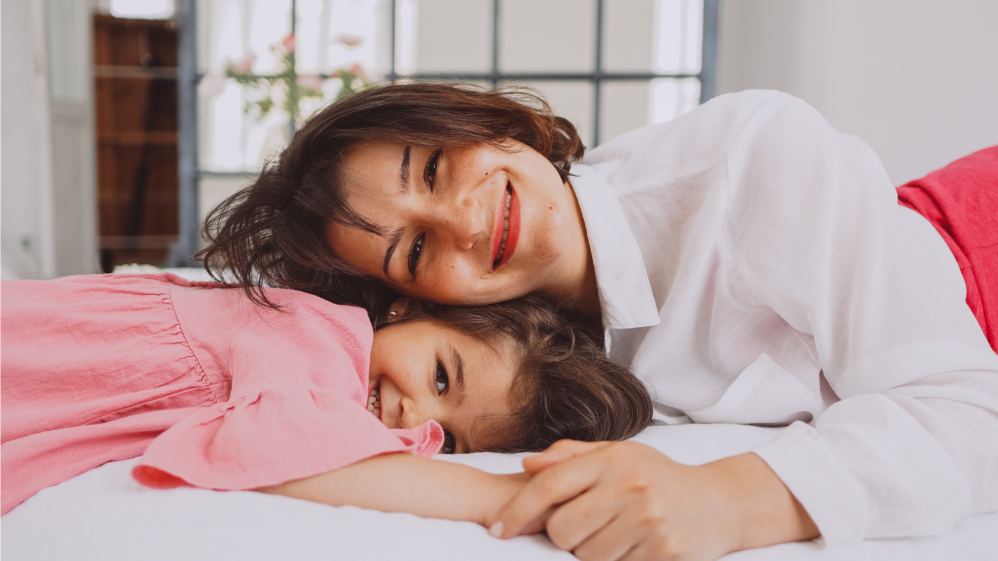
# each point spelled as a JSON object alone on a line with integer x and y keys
{"x": 135, "y": 75}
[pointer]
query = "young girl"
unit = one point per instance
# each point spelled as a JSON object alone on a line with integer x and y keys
{"x": 301, "y": 398}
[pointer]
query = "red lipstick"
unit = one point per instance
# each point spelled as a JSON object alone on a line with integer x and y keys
{"x": 500, "y": 218}
{"x": 513, "y": 230}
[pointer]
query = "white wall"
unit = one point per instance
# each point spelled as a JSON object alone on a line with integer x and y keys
{"x": 47, "y": 172}
{"x": 916, "y": 79}
{"x": 22, "y": 171}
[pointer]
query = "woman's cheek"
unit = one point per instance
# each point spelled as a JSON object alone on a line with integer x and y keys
{"x": 546, "y": 240}
{"x": 452, "y": 285}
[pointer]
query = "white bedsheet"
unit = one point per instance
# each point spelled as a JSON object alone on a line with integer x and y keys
{"x": 103, "y": 514}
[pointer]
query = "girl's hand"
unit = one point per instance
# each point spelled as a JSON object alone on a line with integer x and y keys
{"x": 624, "y": 500}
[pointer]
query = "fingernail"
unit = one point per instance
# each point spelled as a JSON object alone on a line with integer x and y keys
{"x": 495, "y": 530}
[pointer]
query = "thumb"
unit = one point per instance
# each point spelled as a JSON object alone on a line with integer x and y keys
{"x": 557, "y": 453}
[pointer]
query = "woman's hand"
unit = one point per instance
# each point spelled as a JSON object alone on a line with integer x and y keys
{"x": 624, "y": 500}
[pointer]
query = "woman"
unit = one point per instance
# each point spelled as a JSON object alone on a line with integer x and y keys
{"x": 750, "y": 264}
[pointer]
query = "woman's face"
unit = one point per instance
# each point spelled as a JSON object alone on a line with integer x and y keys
{"x": 465, "y": 225}
{"x": 422, "y": 370}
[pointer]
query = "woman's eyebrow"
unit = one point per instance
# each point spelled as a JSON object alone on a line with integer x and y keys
{"x": 455, "y": 358}
{"x": 404, "y": 170}
{"x": 393, "y": 243}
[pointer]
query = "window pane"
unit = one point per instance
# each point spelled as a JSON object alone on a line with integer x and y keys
{"x": 239, "y": 33}
{"x": 677, "y": 36}
{"x": 235, "y": 133}
{"x": 624, "y": 106}
{"x": 452, "y": 36}
{"x": 548, "y": 36}
{"x": 571, "y": 100}
{"x": 628, "y": 35}
{"x": 335, "y": 34}
{"x": 671, "y": 98}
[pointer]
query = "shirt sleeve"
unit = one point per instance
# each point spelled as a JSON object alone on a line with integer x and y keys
{"x": 291, "y": 414}
{"x": 817, "y": 235}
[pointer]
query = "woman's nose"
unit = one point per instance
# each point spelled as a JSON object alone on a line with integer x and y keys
{"x": 463, "y": 218}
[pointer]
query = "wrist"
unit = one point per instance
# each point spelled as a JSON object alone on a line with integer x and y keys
{"x": 499, "y": 490}
{"x": 766, "y": 511}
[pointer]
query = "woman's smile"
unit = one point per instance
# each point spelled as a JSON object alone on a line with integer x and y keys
{"x": 507, "y": 230}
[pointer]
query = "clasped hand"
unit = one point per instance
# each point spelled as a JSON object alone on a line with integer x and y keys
{"x": 625, "y": 500}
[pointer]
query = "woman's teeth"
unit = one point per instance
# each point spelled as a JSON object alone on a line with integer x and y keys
{"x": 505, "y": 228}
{"x": 374, "y": 401}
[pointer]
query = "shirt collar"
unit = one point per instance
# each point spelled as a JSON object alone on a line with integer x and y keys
{"x": 625, "y": 294}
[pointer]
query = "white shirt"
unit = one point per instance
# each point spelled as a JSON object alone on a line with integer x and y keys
{"x": 754, "y": 267}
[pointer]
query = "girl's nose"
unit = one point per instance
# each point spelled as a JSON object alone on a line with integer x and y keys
{"x": 411, "y": 416}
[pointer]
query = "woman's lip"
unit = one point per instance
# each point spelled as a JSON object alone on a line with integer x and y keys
{"x": 514, "y": 227}
{"x": 497, "y": 235}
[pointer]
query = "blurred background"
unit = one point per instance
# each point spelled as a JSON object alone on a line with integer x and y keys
{"x": 124, "y": 121}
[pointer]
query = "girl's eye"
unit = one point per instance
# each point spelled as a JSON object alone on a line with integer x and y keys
{"x": 415, "y": 252}
{"x": 450, "y": 445}
{"x": 440, "y": 378}
{"x": 430, "y": 173}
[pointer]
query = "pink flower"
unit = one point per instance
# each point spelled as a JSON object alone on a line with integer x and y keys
{"x": 289, "y": 43}
{"x": 310, "y": 81}
{"x": 211, "y": 85}
{"x": 349, "y": 39}
{"x": 245, "y": 65}
{"x": 358, "y": 71}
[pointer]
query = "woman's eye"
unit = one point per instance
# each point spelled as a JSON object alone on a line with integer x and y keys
{"x": 440, "y": 378}
{"x": 430, "y": 173}
{"x": 415, "y": 252}
{"x": 450, "y": 445}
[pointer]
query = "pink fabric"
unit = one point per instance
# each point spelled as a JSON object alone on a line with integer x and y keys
{"x": 961, "y": 201}
{"x": 214, "y": 391}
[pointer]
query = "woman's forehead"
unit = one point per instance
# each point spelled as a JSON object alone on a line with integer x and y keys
{"x": 373, "y": 167}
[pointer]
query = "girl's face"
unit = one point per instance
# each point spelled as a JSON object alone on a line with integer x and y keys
{"x": 422, "y": 370}
{"x": 464, "y": 225}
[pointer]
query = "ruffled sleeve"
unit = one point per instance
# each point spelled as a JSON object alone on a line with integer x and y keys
{"x": 297, "y": 406}
{"x": 272, "y": 437}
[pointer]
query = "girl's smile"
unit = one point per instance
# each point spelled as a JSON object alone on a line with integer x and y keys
{"x": 374, "y": 401}
{"x": 421, "y": 371}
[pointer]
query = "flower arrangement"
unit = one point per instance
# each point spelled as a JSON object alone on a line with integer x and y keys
{"x": 287, "y": 89}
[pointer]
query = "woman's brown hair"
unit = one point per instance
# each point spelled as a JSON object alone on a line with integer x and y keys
{"x": 273, "y": 232}
{"x": 564, "y": 386}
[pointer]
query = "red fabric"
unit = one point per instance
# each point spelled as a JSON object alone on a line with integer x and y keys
{"x": 961, "y": 201}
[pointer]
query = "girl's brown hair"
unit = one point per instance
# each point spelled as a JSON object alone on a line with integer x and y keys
{"x": 564, "y": 386}
{"x": 273, "y": 232}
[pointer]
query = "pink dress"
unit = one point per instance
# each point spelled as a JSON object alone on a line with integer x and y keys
{"x": 212, "y": 390}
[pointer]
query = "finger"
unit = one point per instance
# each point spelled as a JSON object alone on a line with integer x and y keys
{"x": 613, "y": 541}
{"x": 545, "y": 490}
{"x": 575, "y": 521}
{"x": 659, "y": 548}
{"x": 557, "y": 453}
{"x": 538, "y": 524}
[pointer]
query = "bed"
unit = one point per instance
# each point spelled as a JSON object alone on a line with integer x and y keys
{"x": 104, "y": 514}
